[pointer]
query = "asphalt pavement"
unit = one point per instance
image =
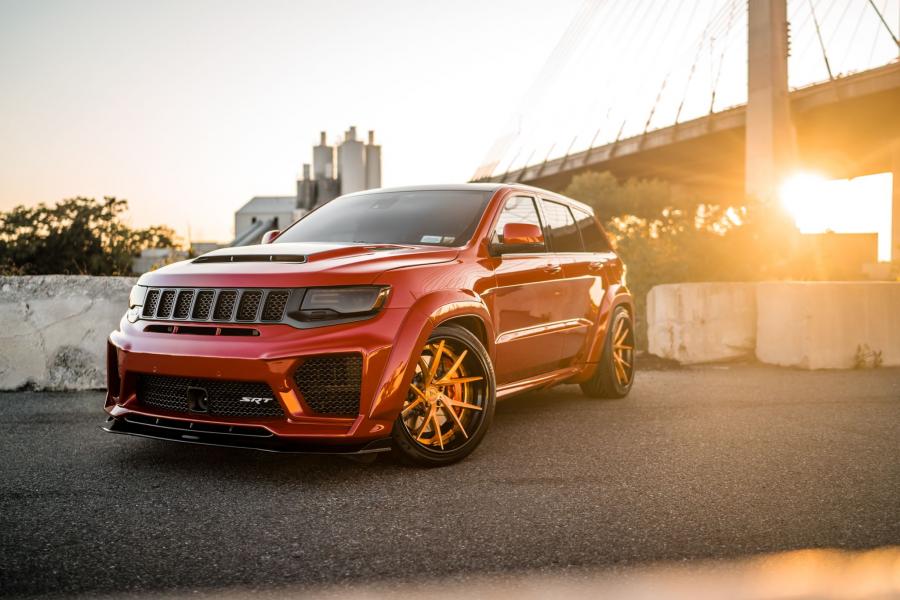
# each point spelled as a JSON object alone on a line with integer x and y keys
{"x": 701, "y": 463}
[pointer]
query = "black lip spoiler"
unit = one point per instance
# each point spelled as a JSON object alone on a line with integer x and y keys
{"x": 241, "y": 437}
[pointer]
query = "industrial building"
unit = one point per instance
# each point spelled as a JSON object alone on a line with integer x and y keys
{"x": 350, "y": 166}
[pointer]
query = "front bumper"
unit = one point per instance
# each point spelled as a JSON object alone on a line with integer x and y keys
{"x": 271, "y": 357}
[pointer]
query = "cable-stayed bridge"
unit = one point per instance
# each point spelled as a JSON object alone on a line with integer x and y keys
{"x": 724, "y": 96}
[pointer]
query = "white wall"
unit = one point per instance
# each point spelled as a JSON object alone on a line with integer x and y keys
{"x": 702, "y": 322}
{"x": 808, "y": 325}
{"x": 53, "y": 329}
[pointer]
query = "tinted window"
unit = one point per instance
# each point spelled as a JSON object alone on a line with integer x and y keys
{"x": 518, "y": 209}
{"x": 563, "y": 232}
{"x": 594, "y": 239}
{"x": 431, "y": 218}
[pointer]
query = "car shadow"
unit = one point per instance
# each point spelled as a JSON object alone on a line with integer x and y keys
{"x": 173, "y": 459}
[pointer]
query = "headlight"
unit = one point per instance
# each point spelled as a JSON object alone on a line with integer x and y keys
{"x": 325, "y": 304}
{"x": 137, "y": 295}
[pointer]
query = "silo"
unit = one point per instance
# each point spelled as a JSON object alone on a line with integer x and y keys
{"x": 351, "y": 164}
{"x": 305, "y": 190}
{"x": 323, "y": 159}
{"x": 373, "y": 163}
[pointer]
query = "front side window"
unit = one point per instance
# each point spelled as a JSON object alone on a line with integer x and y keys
{"x": 426, "y": 217}
{"x": 563, "y": 232}
{"x": 594, "y": 239}
{"x": 518, "y": 209}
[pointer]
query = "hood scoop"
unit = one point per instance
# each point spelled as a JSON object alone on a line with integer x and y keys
{"x": 234, "y": 258}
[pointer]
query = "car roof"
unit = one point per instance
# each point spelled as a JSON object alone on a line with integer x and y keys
{"x": 485, "y": 187}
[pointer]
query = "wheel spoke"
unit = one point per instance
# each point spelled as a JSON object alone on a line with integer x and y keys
{"x": 418, "y": 392}
{"x": 437, "y": 429}
{"x": 455, "y": 366}
{"x": 436, "y": 361}
{"x": 425, "y": 423}
{"x": 412, "y": 405}
{"x": 618, "y": 333}
{"x": 459, "y": 403}
{"x": 452, "y": 414}
{"x": 424, "y": 368}
{"x": 622, "y": 361}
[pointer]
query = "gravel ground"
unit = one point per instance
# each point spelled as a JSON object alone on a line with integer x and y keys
{"x": 701, "y": 463}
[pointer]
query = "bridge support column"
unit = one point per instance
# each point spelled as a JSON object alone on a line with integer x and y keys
{"x": 895, "y": 204}
{"x": 770, "y": 146}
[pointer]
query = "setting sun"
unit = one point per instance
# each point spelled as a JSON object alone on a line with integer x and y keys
{"x": 859, "y": 205}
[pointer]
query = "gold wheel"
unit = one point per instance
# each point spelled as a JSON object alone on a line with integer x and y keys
{"x": 446, "y": 397}
{"x": 623, "y": 352}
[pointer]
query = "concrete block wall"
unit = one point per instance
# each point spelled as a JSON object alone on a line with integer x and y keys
{"x": 820, "y": 325}
{"x": 808, "y": 325}
{"x": 702, "y": 322}
{"x": 53, "y": 329}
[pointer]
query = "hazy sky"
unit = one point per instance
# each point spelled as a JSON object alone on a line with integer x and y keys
{"x": 189, "y": 108}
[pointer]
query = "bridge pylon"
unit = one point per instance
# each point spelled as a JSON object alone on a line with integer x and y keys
{"x": 770, "y": 143}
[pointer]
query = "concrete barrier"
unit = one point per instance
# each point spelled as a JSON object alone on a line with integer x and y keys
{"x": 702, "y": 322}
{"x": 53, "y": 329}
{"x": 809, "y": 325}
{"x": 820, "y": 325}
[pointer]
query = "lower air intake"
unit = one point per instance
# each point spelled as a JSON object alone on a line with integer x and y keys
{"x": 215, "y": 397}
{"x": 330, "y": 385}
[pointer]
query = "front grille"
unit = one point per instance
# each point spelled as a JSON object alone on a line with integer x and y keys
{"x": 330, "y": 385}
{"x": 248, "y": 399}
{"x": 205, "y": 305}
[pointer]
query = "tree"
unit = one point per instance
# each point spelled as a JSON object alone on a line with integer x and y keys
{"x": 76, "y": 236}
{"x": 664, "y": 237}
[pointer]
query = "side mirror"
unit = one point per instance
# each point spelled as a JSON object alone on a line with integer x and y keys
{"x": 269, "y": 236}
{"x": 519, "y": 237}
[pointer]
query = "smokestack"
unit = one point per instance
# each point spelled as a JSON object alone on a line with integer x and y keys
{"x": 373, "y": 163}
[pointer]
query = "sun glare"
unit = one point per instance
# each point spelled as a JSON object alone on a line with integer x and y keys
{"x": 860, "y": 205}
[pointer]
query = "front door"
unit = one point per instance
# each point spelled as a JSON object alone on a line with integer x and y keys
{"x": 525, "y": 302}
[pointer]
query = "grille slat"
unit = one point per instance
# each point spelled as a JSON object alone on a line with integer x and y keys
{"x": 203, "y": 306}
{"x": 275, "y": 304}
{"x": 166, "y": 303}
{"x": 219, "y": 305}
{"x": 224, "y": 305}
{"x": 183, "y": 304}
{"x": 151, "y": 303}
{"x": 249, "y": 305}
{"x": 331, "y": 384}
{"x": 225, "y": 398}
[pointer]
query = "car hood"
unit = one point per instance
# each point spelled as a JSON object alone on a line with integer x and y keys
{"x": 294, "y": 265}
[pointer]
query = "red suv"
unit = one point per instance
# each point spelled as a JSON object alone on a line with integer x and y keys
{"x": 384, "y": 320}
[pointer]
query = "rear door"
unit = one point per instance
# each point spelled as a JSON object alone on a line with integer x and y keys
{"x": 581, "y": 285}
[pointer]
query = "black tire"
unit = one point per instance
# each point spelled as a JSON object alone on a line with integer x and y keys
{"x": 606, "y": 382}
{"x": 410, "y": 449}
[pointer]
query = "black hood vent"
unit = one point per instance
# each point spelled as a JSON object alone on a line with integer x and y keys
{"x": 227, "y": 258}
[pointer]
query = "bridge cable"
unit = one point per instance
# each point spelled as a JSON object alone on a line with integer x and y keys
{"x": 821, "y": 42}
{"x": 883, "y": 22}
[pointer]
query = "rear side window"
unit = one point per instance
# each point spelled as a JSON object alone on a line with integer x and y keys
{"x": 594, "y": 239}
{"x": 563, "y": 232}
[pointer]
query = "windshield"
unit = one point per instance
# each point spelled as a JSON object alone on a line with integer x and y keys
{"x": 431, "y": 218}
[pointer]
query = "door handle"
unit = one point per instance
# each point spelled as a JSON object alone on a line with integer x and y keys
{"x": 552, "y": 269}
{"x": 596, "y": 267}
